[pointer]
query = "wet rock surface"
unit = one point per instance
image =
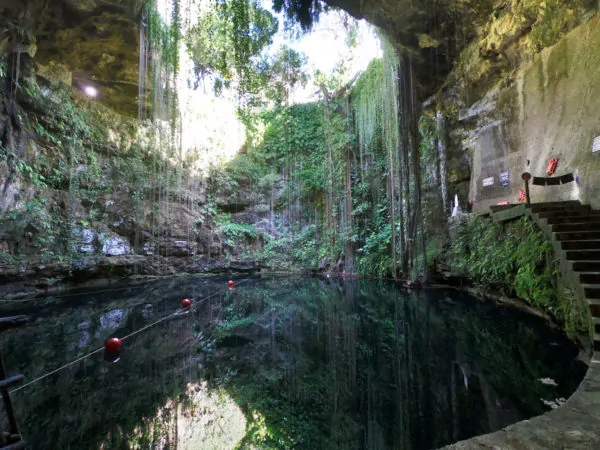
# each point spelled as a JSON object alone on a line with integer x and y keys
{"x": 29, "y": 279}
{"x": 114, "y": 245}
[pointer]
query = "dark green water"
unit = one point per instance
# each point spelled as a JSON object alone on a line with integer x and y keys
{"x": 312, "y": 363}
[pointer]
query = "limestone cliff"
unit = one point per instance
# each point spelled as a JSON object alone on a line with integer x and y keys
{"x": 522, "y": 92}
{"x": 513, "y": 81}
{"x": 81, "y": 198}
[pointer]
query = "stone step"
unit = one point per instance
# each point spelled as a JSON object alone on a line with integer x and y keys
{"x": 559, "y": 203}
{"x": 499, "y": 208}
{"x": 573, "y": 205}
{"x": 568, "y": 218}
{"x": 583, "y": 255}
{"x": 592, "y": 292}
{"x": 572, "y": 212}
{"x": 577, "y": 235}
{"x": 586, "y": 266}
{"x": 576, "y": 227}
{"x": 561, "y": 209}
{"x": 594, "y": 307}
{"x": 580, "y": 245}
{"x": 590, "y": 278}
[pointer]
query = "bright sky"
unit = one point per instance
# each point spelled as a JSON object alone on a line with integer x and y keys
{"x": 209, "y": 124}
{"x": 325, "y": 46}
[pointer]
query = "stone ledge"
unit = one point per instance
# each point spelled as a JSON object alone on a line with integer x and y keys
{"x": 574, "y": 425}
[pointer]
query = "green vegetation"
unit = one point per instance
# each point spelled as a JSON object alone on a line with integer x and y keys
{"x": 517, "y": 261}
{"x": 347, "y": 183}
{"x": 67, "y": 157}
{"x": 228, "y": 46}
{"x": 349, "y": 187}
{"x": 228, "y": 40}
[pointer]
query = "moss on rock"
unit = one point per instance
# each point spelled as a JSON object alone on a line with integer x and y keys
{"x": 516, "y": 32}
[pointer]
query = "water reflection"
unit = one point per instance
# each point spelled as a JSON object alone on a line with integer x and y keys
{"x": 295, "y": 362}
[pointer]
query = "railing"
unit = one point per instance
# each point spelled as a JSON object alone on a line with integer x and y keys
{"x": 12, "y": 438}
{"x": 544, "y": 181}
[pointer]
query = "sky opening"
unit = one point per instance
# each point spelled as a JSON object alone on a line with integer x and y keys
{"x": 210, "y": 126}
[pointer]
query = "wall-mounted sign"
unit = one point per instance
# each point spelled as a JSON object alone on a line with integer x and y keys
{"x": 505, "y": 178}
{"x": 488, "y": 181}
{"x": 596, "y": 145}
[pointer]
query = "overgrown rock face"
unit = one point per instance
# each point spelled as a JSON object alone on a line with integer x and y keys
{"x": 434, "y": 32}
{"x": 98, "y": 40}
{"x": 515, "y": 99}
{"x": 515, "y": 32}
{"x": 82, "y": 199}
{"x": 471, "y": 39}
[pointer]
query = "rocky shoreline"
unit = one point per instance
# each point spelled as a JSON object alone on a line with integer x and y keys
{"x": 37, "y": 278}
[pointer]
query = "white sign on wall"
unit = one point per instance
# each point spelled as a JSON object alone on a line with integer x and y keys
{"x": 488, "y": 181}
{"x": 596, "y": 145}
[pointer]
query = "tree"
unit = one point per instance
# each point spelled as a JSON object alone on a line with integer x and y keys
{"x": 227, "y": 42}
{"x": 283, "y": 73}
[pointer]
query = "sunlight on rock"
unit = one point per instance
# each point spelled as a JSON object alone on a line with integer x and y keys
{"x": 213, "y": 421}
{"x": 262, "y": 431}
{"x": 207, "y": 419}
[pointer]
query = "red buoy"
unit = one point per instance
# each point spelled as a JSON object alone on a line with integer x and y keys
{"x": 186, "y": 303}
{"x": 230, "y": 283}
{"x": 113, "y": 345}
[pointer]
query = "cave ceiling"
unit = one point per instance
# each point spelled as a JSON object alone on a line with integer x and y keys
{"x": 98, "y": 39}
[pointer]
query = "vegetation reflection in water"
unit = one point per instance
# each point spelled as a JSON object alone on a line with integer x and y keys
{"x": 282, "y": 362}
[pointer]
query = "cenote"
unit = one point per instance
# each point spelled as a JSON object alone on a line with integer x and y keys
{"x": 280, "y": 362}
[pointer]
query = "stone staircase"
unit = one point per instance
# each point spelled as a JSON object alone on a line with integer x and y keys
{"x": 574, "y": 230}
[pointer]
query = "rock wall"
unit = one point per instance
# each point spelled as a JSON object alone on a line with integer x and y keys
{"x": 81, "y": 199}
{"x": 548, "y": 108}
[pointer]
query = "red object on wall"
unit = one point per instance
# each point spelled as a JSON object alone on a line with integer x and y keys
{"x": 503, "y": 203}
{"x": 522, "y": 196}
{"x": 551, "y": 166}
{"x": 186, "y": 303}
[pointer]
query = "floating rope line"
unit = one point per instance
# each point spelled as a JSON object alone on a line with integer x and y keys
{"x": 81, "y": 358}
{"x": 133, "y": 333}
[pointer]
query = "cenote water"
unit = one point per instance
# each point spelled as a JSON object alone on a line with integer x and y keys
{"x": 280, "y": 362}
